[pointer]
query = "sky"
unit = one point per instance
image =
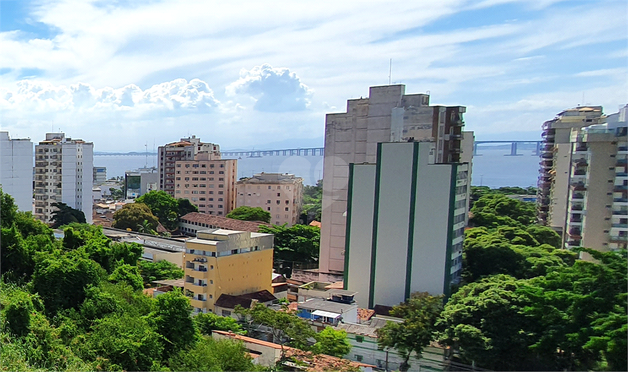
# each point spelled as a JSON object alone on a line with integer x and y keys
{"x": 133, "y": 75}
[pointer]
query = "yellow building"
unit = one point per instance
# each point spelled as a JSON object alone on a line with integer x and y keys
{"x": 226, "y": 262}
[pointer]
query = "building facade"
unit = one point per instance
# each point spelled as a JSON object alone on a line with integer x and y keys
{"x": 279, "y": 194}
{"x": 141, "y": 181}
{"x": 405, "y": 224}
{"x": 226, "y": 262}
{"x": 555, "y": 162}
{"x": 387, "y": 115}
{"x": 16, "y": 170}
{"x": 185, "y": 149}
{"x": 597, "y": 209}
{"x": 208, "y": 184}
{"x": 100, "y": 175}
{"x": 63, "y": 173}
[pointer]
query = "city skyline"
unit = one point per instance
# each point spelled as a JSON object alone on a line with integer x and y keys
{"x": 131, "y": 75}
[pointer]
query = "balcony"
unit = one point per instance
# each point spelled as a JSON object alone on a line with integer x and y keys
{"x": 575, "y": 233}
{"x": 581, "y": 162}
{"x": 573, "y": 243}
{"x": 620, "y": 200}
{"x": 620, "y": 225}
{"x": 579, "y": 186}
{"x": 577, "y": 196}
{"x": 621, "y": 238}
{"x": 620, "y": 188}
{"x": 457, "y": 123}
{"x": 621, "y": 212}
{"x": 621, "y": 162}
{"x": 581, "y": 147}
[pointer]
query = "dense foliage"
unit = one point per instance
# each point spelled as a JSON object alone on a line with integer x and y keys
{"x": 137, "y": 217}
{"x": 298, "y": 243}
{"x": 166, "y": 208}
{"x": 311, "y": 208}
{"x": 65, "y": 215}
{"x": 245, "y": 213}
{"x": 77, "y": 304}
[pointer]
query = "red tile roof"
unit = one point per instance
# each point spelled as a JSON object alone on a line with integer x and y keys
{"x": 221, "y": 222}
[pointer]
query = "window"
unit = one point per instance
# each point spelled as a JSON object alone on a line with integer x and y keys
{"x": 278, "y": 194}
{"x": 287, "y": 209}
{"x": 359, "y": 358}
{"x": 359, "y": 338}
{"x": 226, "y": 313}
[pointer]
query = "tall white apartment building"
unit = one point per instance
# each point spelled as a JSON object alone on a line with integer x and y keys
{"x": 16, "y": 170}
{"x": 556, "y": 162}
{"x": 279, "y": 194}
{"x": 405, "y": 224}
{"x": 387, "y": 115}
{"x": 596, "y": 215}
{"x": 63, "y": 173}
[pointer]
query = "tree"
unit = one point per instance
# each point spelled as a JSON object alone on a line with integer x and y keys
{"x": 332, "y": 342}
{"x": 126, "y": 342}
{"x": 485, "y": 321}
{"x": 127, "y": 274}
{"x": 185, "y": 207}
{"x": 64, "y": 215}
{"x": 312, "y": 202}
{"x": 135, "y": 216}
{"x": 61, "y": 279}
{"x": 245, "y": 213}
{"x": 8, "y": 209}
{"x": 298, "y": 243}
{"x": 493, "y": 210}
{"x": 163, "y": 206}
{"x": 284, "y": 325}
{"x": 151, "y": 271}
{"x": 211, "y": 355}
{"x": 173, "y": 320}
{"x": 208, "y": 322}
{"x": 419, "y": 314}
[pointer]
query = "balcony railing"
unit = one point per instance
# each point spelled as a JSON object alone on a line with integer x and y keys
{"x": 620, "y": 213}
{"x": 578, "y": 196}
{"x": 620, "y": 225}
{"x": 620, "y": 200}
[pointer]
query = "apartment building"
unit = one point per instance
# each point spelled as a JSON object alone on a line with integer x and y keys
{"x": 16, "y": 170}
{"x": 185, "y": 149}
{"x": 63, "y": 173}
{"x": 279, "y": 194}
{"x": 140, "y": 181}
{"x": 405, "y": 224}
{"x": 555, "y": 162}
{"x": 208, "y": 184}
{"x": 226, "y": 262}
{"x": 597, "y": 208}
{"x": 100, "y": 175}
{"x": 387, "y": 115}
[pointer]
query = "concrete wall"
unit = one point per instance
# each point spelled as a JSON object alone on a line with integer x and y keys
{"x": 16, "y": 170}
{"x": 281, "y": 200}
{"x": 360, "y": 226}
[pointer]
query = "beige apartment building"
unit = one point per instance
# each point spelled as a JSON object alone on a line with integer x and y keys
{"x": 596, "y": 215}
{"x": 555, "y": 162}
{"x": 208, "y": 184}
{"x": 185, "y": 149}
{"x": 226, "y": 262}
{"x": 386, "y": 115}
{"x": 279, "y": 194}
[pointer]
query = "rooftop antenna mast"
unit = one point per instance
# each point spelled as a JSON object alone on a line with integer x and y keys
{"x": 390, "y": 72}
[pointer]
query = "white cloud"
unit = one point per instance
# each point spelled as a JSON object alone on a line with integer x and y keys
{"x": 169, "y": 99}
{"x": 274, "y": 89}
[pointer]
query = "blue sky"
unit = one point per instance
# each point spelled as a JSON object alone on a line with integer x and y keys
{"x": 256, "y": 74}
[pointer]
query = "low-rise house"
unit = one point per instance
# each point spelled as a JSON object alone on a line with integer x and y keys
{"x": 268, "y": 354}
{"x": 225, "y": 304}
{"x": 363, "y": 340}
{"x": 322, "y": 312}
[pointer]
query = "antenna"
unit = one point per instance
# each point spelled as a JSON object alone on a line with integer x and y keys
{"x": 390, "y": 72}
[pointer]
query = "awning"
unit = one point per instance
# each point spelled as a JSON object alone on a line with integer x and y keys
{"x": 326, "y": 314}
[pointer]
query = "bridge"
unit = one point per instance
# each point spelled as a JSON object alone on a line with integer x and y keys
{"x": 513, "y": 146}
{"x": 320, "y": 151}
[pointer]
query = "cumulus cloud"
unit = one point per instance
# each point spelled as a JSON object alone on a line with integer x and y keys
{"x": 274, "y": 89}
{"x": 170, "y": 98}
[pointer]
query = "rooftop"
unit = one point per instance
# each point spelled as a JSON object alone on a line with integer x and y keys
{"x": 210, "y": 221}
{"x": 272, "y": 178}
{"x": 245, "y": 300}
{"x": 331, "y": 306}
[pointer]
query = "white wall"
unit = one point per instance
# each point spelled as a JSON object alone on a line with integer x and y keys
{"x": 16, "y": 170}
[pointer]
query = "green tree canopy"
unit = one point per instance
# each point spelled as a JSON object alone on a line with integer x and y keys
{"x": 298, "y": 243}
{"x": 211, "y": 355}
{"x": 311, "y": 208}
{"x": 160, "y": 270}
{"x": 208, "y": 322}
{"x": 419, "y": 313}
{"x": 494, "y": 210}
{"x": 185, "y": 207}
{"x": 332, "y": 342}
{"x": 245, "y": 213}
{"x": 173, "y": 320}
{"x": 135, "y": 216}
{"x": 163, "y": 206}
{"x": 127, "y": 274}
{"x": 65, "y": 215}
